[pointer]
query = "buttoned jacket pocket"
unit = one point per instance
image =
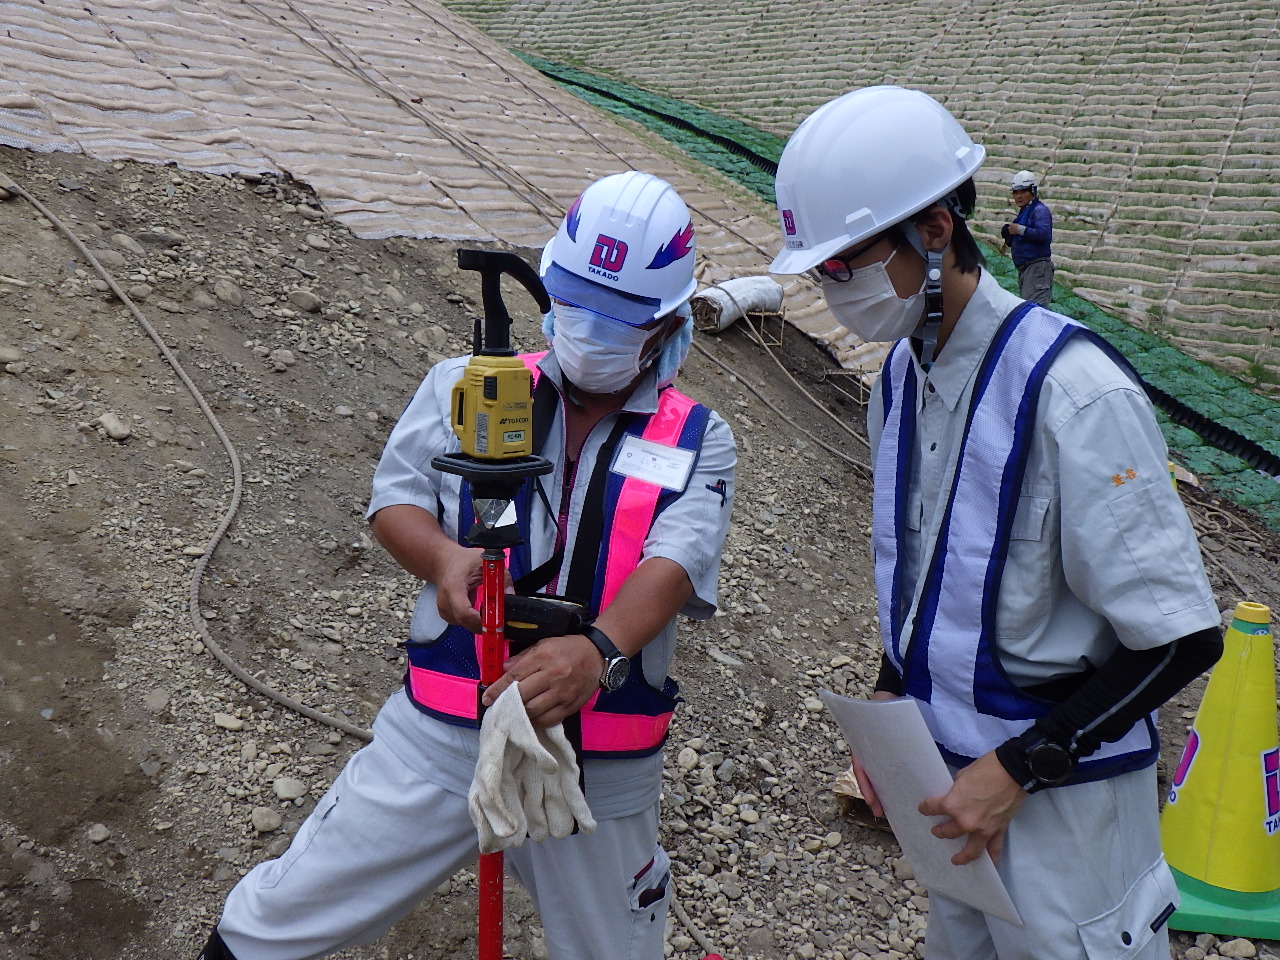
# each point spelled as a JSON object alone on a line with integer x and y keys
{"x": 1122, "y": 932}
{"x": 1029, "y": 518}
{"x": 1029, "y": 566}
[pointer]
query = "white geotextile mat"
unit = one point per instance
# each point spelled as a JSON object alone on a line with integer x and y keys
{"x": 404, "y": 118}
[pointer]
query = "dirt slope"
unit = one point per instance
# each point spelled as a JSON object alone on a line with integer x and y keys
{"x": 139, "y": 780}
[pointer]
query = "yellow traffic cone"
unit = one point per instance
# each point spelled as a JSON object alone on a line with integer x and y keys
{"x": 1221, "y": 824}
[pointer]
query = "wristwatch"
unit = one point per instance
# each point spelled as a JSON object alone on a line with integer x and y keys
{"x": 617, "y": 667}
{"x": 1050, "y": 763}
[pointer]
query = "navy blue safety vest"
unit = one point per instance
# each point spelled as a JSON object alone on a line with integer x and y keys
{"x": 946, "y": 655}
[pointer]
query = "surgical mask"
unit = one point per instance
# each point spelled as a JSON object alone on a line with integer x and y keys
{"x": 869, "y": 307}
{"x": 597, "y": 353}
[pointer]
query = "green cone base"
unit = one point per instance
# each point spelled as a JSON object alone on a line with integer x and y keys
{"x": 1209, "y": 909}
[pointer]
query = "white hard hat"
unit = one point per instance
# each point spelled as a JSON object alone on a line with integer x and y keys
{"x": 624, "y": 249}
{"x": 861, "y": 163}
{"x": 1023, "y": 180}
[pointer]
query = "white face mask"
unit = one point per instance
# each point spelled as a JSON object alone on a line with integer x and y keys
{"x": 597, "y": 353}
{"x": 869, "y": 307}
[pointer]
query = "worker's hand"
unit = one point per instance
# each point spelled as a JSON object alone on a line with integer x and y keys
{"x": 979, "y": 806}
{"x": 865, "y": 786}
{"x": 557, "y": 676}
{"x": 867, "y": 790}
{"x": 1017, "y": 229}
{"x": 457, "y": 576}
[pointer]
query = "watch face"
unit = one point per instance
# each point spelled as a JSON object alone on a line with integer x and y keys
{"x": 1050, "y": 763}
{"x": 616, "y": 672}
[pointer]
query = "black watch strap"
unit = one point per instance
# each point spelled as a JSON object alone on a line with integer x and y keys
{"x": 1014, "y": 760}
{"x": 608, "y": 649}
{"x": 617, "y": 666}
{"x": 1025, "y": 755}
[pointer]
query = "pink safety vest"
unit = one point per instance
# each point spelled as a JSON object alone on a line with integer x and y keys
{"x": 603, "y": 731}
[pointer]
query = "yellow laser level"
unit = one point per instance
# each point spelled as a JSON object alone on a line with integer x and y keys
{"x": 493, "y": 408}
{"x": 493, "y": 399}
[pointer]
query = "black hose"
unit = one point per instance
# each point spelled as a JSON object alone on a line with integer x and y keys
{"x": 759, "y": 160}
{"x": 1214, "y": 433}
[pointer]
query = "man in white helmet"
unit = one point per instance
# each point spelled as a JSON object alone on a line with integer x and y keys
{"x": 1039, "y": 584}
{"x": 630, "y": 524}
{"x": 1030, "y": 239}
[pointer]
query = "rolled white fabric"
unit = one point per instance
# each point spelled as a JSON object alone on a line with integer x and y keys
{"x": 716, "y": 308}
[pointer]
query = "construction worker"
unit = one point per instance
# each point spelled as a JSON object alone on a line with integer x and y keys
{"x": 635, "y": 539}
{"x": 1029, "y": 238}
{"x": 1039, "y": 583}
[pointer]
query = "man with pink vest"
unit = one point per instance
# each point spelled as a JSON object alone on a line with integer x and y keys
{"x": 630, "y": 523}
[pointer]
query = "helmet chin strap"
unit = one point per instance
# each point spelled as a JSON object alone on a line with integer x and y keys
{"x": 932, "y": 307}
{"x": 654, "y": 351}
{"x": 932, "y": 297}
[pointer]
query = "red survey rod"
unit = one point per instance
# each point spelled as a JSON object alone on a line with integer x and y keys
{"x": 493, "y": 620}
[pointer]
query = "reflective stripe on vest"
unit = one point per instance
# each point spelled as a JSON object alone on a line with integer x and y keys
{"x": 942, "y": 642}
{"x": 450, "y": 697}
{"x": 634, "y": 720}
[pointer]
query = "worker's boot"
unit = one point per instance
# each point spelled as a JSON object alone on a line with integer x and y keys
{"x": 215, "y": 949}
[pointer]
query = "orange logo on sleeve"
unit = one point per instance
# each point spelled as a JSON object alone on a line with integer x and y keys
{"x": 1119, "y": 479}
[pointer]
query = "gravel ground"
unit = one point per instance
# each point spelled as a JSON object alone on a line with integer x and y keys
{"x": 139, "y": 779}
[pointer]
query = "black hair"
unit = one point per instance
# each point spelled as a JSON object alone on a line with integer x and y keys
{"x": 960, "y": 203}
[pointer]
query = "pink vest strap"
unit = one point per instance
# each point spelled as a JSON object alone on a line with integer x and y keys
{"x": 601, "y": 732}
{"x": 638, "y": 498}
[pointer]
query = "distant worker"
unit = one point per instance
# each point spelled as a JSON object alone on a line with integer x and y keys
{"x": 1029, "y": 238}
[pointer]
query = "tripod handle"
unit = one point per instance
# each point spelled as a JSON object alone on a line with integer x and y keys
{"x": 491, "y": 265}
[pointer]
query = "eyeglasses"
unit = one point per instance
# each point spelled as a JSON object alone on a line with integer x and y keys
{"x": 839, "y": 269}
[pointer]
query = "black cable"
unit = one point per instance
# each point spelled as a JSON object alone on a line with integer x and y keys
{"x": 1214, "y": 433}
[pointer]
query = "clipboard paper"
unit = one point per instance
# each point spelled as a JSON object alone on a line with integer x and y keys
{"x": 890, "y": 739}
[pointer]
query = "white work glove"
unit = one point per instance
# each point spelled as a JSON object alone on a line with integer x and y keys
{"x": 526, "y": 781}
{"x": 494, "y": 798}
{"x": 553, "y": 802}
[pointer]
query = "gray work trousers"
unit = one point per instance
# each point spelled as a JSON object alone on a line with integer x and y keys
{"x": 1084, "y": 868}
{"x": 386, "y": 835}
{"x": 1035, "y": 281}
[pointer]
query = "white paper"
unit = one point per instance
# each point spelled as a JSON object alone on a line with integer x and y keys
{"x": 890, "y": 739}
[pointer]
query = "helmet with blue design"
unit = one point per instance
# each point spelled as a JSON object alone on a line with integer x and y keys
{"x": 624, "y": 250}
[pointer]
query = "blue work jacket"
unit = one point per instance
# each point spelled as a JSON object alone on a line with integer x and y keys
{"x": 1035, "y": 243}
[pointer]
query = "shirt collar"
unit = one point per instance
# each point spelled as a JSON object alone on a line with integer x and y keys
{"x": 967, "y": 343}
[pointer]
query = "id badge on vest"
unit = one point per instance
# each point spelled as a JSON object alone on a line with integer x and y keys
{"x": 655, "y": 463}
